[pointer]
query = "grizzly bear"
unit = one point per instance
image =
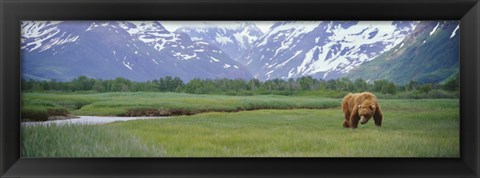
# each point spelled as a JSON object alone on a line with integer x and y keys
{"x": 361, "y": 107}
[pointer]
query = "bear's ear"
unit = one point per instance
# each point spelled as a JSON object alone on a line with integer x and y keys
{"x": 372, "y": 107}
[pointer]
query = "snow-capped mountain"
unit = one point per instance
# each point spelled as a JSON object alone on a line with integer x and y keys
{"x": 108, "y": 49}
{"x": 326, "y": 50}
{"x": 43, "y": 35}
{"x": 234, "y": 38}
{"x": 429, "y": 54}
{"x": 398, "y": 51}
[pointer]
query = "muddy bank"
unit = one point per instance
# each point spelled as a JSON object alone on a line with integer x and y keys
{"x": 45, "y": 115}
{"x": 179, "y": 112}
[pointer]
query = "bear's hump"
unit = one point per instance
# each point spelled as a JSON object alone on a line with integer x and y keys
{"x": 367, "y": 95}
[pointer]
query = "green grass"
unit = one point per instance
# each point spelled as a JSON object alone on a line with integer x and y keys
{"x": 82, "y": 141}
{"x": 411, "y": 128}
{"x": 125, "y": 104}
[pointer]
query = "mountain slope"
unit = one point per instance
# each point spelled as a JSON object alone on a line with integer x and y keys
{"x": 234, "y": 38}
{"x": 134, "y": 50}
{"x": 428, "y": 54}
{"x": 324, "y": 50}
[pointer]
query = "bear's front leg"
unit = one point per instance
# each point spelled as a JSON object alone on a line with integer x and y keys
{"x": 378, "y": 117}
{"x": 345, "y": 123}
{"x": 354, "y": 118}
{"x": 354, "y": 121}
{"x": 346, "y": 115}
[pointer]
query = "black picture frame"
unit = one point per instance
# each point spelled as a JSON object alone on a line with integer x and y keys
{"x": 13, "y": 11}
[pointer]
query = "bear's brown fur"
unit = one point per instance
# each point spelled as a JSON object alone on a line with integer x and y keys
{"x": 361, "y": 107}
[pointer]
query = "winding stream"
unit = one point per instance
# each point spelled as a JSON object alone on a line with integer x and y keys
{"x": 91, "y": 120}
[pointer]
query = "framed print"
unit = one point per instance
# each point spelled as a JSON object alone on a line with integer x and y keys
{"x": 239, "y": 88}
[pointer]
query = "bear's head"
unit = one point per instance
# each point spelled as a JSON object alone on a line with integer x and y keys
{"x": 366, "y": 111}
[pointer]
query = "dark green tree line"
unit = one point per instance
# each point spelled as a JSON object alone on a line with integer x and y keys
{"x": 236, "y": 86}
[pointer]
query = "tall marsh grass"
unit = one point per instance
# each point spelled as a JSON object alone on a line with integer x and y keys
{"x": 81, "y": 141}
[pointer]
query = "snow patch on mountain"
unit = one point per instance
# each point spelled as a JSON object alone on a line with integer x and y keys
{"x": 127, "y": 65}
{"x": 43, "y": 35}
{"x": 233, "y": 38}
{"x": 289, "y": 30}
{"x": 288, "y": 60}
{"x": 35, "y": 29}
{"x": 325, "y": 49}
{"x": 434, "y": 29}
{"x": 150, "y": 32}
{"x": 214, "y": 59}
{"x": 223, "y": 40}
{"x": 454, "y": 32}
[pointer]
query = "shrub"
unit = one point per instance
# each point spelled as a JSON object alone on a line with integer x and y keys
{"x": 425, "y": 88}
{"x": 41, "y": 114}
{"x": 441, "y": 94}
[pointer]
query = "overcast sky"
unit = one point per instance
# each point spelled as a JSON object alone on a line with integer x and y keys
{"x": 173, "y": 25}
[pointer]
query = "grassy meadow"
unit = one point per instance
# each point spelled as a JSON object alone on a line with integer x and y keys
{"x": 165, "y": 104}
{"x": 240, "y": 126}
